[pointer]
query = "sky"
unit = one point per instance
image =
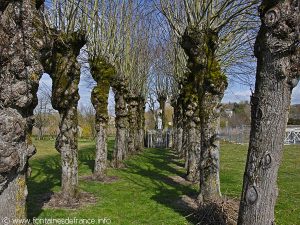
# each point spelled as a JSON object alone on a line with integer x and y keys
{"x": 234, "y": 93}
{"x": 237, "y": 93}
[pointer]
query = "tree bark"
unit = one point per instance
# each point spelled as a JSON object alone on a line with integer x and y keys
{"x": 185, "y": 143}
{"x": 162, "y": 104}
{"x": 66, "y": 144}
{"x": 132, "y": 104}
{"x": 193, "y": 160}
{"x": 121, "y": 123}
{"x": 102, "y": 72}
{"x": 278, "y": 54}
{"x": 20, "y": 71}
{"x": 178, "y": 127}
{"x": 210, "y": 83}
{"x": 210, "y": 147}
{"x": 64, "y": 70}
{"x": 191, "y": 140}
{"x": 101, "y": 151}
{"x": 140, "y": 124}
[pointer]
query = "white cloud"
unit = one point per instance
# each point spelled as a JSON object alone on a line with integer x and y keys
{"x": 234, "y": 95}
{"x": 237, "y": 94}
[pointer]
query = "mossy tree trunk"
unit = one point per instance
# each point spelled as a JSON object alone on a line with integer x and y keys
{"x": 185, "y": 139}
{"x": 102, "y": 72}
{"x": 162, "y": 98}
{"x": 192, "y": 128}
{"x": 139, "y": 145}
{"x": 211, "y": 83}
{"x": 174, "y": 104}
{"x": 132, "y": 105}
{"x": 278, "y": 72}
{"x": 20, "y": 71}
{"x": 210, "y": 147}
{"x": 64, "y": 70}
{"x": 178, "y": 127}
{"x": 121, "y": 122}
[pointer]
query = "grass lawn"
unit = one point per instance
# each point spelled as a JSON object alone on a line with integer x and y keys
{"x": 145, "y": 193}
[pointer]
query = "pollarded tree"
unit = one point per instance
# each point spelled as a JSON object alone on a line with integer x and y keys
{"x": 21, "y": 43}
{"x": 179, "y": 69}
{"x": 120, "y": 83}
{"x": 207, "y": 30}
{"x": 173, "y": 66}
{"x": 161, "y": 76}
{"x": 102, "y": 72}
{"x": 68, "y": 25}
{"x": 185, "y": 126}
{"x": 278, "y": 72}
{"x": 103, "y": 47}
{"x": 140, "y": 57}
{"x": 129, "y": 19}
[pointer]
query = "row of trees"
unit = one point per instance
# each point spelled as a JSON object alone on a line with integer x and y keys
{"x": 214, "y": 36}
{"x": 199, "y": 43}
{"x": 106, "y": 36}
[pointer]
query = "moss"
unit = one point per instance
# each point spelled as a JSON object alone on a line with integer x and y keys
{"x": 103, "y": 73}
{"x": 20, "y": 197}
{"x": 99, "y": 99}
{"x": 65, "y": 77}
{"x": 64, "y": 69}
{"x": 66, "y": 42}
{"x": 214, "y": 73}
{"x": 34, "y": 77}
{"x": 101, "y": 69}
{"x": 29, "y": 138}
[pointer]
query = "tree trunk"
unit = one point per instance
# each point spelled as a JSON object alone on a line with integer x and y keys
{"x": 178, "y": 127}
{"x": 277, "y": 74}
{"x": 132, "y": 103}
{"x": 20, "y": 71}
{"x": 141, "y": 124}
{"x": 66, "y": 144}
{"x": 175, "y": 121}
{"x": 102, "y": 72}
{"x": 64, "y": 70}
{"x": 162, "y": 104}
{"x": 101, "y": 151}
{"x": 121, "y": 123}
{"x": 210, "y": 147}
{"x": 210, "y": 83}
{"x": 185, "y": 144}
{"x": 193, "y": 147}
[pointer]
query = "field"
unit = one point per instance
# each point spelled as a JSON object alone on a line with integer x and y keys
{"x": 145, "y": 192}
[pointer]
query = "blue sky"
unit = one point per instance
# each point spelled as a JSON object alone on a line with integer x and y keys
{"x": 234, "y": 93}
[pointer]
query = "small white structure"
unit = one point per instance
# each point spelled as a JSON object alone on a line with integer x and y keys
{"x": 159, "y": 123}
{"x": 292, "y": 135}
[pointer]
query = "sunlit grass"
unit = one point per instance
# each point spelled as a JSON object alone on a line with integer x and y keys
{"x": 144, "y": 194}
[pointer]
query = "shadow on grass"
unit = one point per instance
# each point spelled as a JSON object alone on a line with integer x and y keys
{"x": 157, "y": 167}
{"x": 87, "y": 154}
{"x": 46, "y": 175}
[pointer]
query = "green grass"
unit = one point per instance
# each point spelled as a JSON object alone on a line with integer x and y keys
{"x": 145, "y": 194}
{"x": 287, "y": 211}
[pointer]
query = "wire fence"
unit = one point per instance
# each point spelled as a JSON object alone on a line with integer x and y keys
{"x": 158, "y": 139}
{"x": 241, "y": 134}
{"x": 238, "y": 135}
